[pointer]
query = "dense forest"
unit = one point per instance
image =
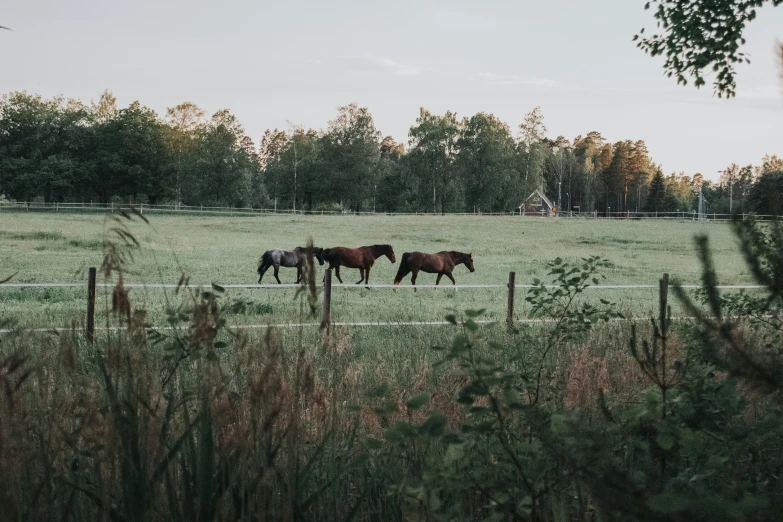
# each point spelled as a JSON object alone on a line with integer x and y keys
{"x": 67, "y": 151}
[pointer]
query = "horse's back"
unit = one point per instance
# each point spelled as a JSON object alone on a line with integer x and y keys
{"x": 334, "y": 253}
{"x": 348, "y": 257}
{"x": 427, "y": 262}
{"x": 278, "y": 256}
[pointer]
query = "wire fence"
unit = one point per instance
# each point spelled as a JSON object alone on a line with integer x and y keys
{"x": 91, "y": 285}
{"x": 357, "y": 286}
{"x": 313, "y": 324}
{"x": 146, "y": 208}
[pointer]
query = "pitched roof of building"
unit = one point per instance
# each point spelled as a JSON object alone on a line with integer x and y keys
{"x": 542, "y": 196}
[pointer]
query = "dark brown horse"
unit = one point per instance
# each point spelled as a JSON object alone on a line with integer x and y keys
{"x": 362, "y": 258}
{"x": 442, "y": 263}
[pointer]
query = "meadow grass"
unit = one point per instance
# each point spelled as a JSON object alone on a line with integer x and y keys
{"x": 288, "y": 423}
{"x": 46, "y": 248}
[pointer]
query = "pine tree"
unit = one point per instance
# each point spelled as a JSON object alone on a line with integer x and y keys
{"x": 656, "y": 197}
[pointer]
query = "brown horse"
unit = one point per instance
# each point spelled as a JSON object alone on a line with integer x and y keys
{"x": 441, "y": 263}
{"x": 362, "y": 258}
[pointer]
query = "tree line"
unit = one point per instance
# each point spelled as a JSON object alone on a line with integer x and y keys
{"x": 64, "y": 150}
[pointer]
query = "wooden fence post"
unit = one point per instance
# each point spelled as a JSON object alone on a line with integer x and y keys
{"x": 663, "y": 299}
{"x": 326, "y": 323}
{"x": 511, "y": 288}
{"x": 91, "y": 306}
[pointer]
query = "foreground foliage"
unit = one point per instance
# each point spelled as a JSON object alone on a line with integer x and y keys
{"x": 197, "y": 424}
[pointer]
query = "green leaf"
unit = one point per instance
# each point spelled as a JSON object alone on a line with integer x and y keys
{"x": 386, "y": 409}
{"x": 434, "y": 426}
{"x": 465, "y": 398}
{"x": 460, "y": 343}
{"x": 417, "y": 401}
{"x": 512, "y": 397}
{"x": 454, "y": 453}
{"x": 379, "y": 391}
{"x": 373, "y": 443}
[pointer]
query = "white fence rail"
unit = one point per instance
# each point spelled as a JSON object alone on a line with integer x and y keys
{"x": 327, "y": 287}
{"x": 355, "y": 286}
{"x": 338, "y": 323}
{"x": 146, "y": 208}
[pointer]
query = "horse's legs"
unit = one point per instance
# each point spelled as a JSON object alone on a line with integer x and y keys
{"x": 298, "y": 273}
{"x": 277, "y": 269}
{"x": 448, "y": 274}
{"x": 437, "y": 280}
{"x": 367, "y": 276}
{"x": 415, "y": 273}
{"x": 337, "y": 273}
{"x": 401, "y": 274}
{"x": 361, "y": 273}
{"x": 264, "y": 268}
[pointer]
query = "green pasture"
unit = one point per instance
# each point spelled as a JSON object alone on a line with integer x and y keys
{"x": 58, "y": 248}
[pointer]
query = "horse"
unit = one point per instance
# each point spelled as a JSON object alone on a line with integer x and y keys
{"x": 362, "y": 258}
{"x": 441, "y": 263}
{"x": 288, "y": 258}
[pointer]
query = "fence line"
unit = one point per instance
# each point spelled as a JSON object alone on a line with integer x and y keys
{"x": 250, "y": 211}
{"x": 358, "y": 287}
{"x": 326, "y": 322}
{"x": 338, "y": 323}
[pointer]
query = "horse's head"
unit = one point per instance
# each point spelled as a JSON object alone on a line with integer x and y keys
{"x": 388, "y": 251}
{"x": 468, "y": 260}
{"x": 319, "y": 255}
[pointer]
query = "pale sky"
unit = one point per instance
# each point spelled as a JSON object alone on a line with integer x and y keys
{"x": 273, "y": 62}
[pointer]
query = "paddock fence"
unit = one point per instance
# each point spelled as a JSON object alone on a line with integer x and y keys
{"x": 326, "y": 323}
{"x": 146, "y": 208}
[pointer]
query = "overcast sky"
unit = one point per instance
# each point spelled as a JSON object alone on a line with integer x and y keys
{"x": 273, "y": 62}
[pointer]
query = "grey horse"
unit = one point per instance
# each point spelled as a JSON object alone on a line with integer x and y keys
{"x": 288, "y": 258}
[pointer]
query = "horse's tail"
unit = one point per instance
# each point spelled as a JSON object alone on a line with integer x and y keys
{"x": 404, "y": 269}
{"x": 264, "y": 261}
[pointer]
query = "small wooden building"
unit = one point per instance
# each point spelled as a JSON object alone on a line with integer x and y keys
{"x": 537, "y": 204}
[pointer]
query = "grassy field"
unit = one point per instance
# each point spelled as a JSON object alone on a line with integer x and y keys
{"x": 46, "y": 248}
{"x": 327, "y": 421}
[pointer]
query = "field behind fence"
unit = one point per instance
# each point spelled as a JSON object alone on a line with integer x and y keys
{"x": 94, "y": 207}
{"x": 50, "y": 255}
